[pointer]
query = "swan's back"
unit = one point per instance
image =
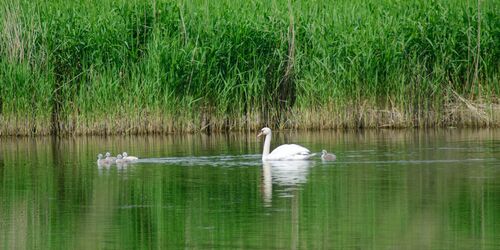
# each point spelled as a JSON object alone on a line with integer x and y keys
{"x": 290, "y": 152}
{"x": 131, "y": 158}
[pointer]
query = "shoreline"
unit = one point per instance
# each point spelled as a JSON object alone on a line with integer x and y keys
{"x": 458, "y": 115}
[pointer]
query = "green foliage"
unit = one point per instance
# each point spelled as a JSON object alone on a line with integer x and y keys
{"x": 232, "y": 60}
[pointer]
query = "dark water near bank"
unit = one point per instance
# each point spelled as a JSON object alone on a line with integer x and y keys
{"x": 387, "y": 190}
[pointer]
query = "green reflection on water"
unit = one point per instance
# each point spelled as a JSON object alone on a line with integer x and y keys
{"x": 389, "y": 189}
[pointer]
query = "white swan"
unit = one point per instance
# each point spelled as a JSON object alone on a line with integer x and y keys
{"x": 283, "y": 152}
{"x": 129, "y": 158}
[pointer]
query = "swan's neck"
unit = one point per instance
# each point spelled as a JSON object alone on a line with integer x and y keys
{"x": 267, "y": 146}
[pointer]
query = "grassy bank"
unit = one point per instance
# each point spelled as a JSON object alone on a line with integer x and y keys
{"x": 103, "y": 67}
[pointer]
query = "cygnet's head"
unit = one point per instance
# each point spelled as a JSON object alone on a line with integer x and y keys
{"x": 324, "y": 152}
{"x": 119, "y": 156}
{"x": 99, "y": 156}
{"x": 125, "y": 154}
{"x": 264, "y": 131}
{"x": 108, "y": 154}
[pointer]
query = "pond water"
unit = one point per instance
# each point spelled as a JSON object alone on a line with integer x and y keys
{"x": 407, "y": 189}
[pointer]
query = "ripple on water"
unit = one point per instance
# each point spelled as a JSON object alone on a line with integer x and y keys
{"x": 216, "y": 161}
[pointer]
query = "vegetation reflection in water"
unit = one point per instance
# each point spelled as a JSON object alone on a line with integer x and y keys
{"x": 388, "y": 189}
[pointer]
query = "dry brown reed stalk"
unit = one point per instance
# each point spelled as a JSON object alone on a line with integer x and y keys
{"x": 458, "y": 112}
{"x": 475, "y": 110}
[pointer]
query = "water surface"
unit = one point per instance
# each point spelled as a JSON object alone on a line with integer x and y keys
{"x": 437, "y": 189}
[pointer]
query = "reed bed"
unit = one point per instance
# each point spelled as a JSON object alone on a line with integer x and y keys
{"x": 113, "y": 67}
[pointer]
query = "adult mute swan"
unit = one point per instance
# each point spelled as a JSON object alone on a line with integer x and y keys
{"x": 283, "y": 152}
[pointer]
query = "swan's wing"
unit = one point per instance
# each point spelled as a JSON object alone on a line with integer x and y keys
{"x": 290, "y": 149}
{"x": 290, "y": 152}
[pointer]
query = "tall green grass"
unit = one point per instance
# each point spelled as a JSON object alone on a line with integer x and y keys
{"x": 91, "y": 66}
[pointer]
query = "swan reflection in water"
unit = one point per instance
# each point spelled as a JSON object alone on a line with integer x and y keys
{"x": 285, "y": 174}
{"x": 103, "y": 168}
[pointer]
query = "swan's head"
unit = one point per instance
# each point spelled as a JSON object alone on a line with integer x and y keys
{"x": 99, "y": 156}
{"x": 108, "y": 154}
{"x": 264, "y": 131}
{"x": 125, "y": 154}
{"x": 323, "y": 151}
{"x": 119, "y": 156}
